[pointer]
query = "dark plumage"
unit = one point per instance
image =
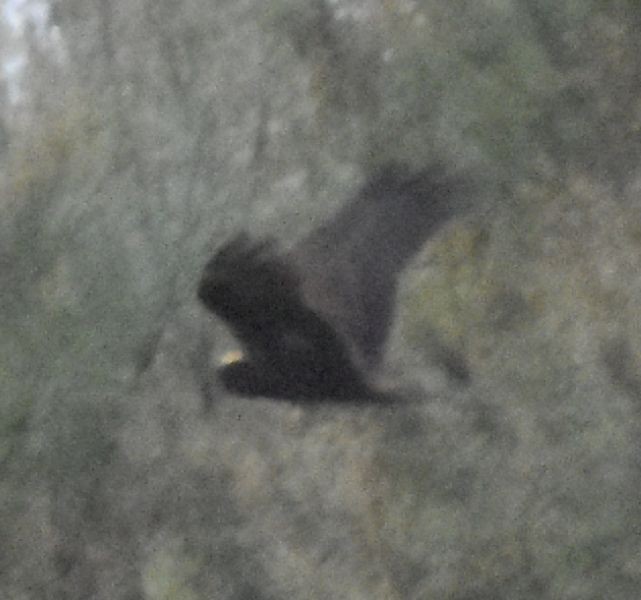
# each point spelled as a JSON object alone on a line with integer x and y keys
{"x": 314, "y": 320}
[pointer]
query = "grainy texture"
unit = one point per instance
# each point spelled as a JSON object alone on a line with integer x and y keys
{"x": 314, "y": 322}
{"x": 141, "y": 134}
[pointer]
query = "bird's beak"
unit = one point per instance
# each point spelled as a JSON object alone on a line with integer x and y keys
{"x": 231, "y": 357}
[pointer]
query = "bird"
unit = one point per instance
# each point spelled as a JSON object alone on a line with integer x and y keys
{"x": 313, "y": 320}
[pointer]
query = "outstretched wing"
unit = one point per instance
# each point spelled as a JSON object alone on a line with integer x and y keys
{"x": 352, "y": 262}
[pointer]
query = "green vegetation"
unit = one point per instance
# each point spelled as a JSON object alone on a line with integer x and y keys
{"x": 152, "y": 131}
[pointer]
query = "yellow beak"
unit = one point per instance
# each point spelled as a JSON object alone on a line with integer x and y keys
{"x": 233, "y": 356}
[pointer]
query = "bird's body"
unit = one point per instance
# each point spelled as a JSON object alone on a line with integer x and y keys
{"x": 314, "y": 321}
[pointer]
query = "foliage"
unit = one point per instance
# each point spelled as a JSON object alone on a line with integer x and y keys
{"x": 152, "y": 133}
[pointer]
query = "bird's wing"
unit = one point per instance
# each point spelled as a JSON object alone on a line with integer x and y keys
{"x": 352, "y": 263}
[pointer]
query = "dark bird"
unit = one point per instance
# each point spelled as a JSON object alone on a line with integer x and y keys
{"x": 314, "y": 320}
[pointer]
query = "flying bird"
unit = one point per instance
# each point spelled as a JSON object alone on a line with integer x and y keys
{"x": 313, "y": 320}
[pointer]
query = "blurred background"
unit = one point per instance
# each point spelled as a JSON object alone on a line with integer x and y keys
{"x": 137, "y": 135}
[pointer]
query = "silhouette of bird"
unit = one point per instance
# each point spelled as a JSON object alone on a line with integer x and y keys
{"x": 314, "y": 320}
